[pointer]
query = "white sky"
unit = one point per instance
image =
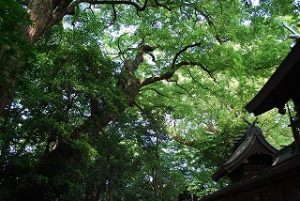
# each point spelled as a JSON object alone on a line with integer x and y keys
{"x": 255, "y": 2}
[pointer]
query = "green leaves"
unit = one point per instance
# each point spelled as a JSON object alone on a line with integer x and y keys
{"x": 81, "y": 125}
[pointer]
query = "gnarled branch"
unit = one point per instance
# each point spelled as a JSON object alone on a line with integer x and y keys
{"x": 182, "y": 51}
{"x": 116, "y": 2}
{"x": 211, "y": 23}
{"x": 173, "y": 68}
{"x": 169, "y": 74}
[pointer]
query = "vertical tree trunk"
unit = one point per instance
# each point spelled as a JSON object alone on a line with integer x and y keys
{"x": 40, "y": 13}
{"x": 4, "y": 98}
{"x": 43, "y": 14}
{"x": 110, "y": 193}
{"x": 98, "y": 194}
{"x": 7, "y": 80}
{"x": 93, "y": 194}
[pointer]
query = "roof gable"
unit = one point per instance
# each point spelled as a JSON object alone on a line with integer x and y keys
{"x": 251, "y": 143}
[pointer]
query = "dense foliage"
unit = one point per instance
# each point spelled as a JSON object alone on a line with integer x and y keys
{"x": 131, "y": 100}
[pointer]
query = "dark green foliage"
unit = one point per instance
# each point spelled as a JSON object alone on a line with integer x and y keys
{"x": 78, "y": 125}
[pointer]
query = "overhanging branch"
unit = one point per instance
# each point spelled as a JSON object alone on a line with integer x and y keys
{"x": 173, "y": 68}
{"x": 183, "y": 88}
{"x": 182, "y": 51}
{"x": 211, "y": 23}
{"x": 204, "y": 68}
{"x": 95, "y": 2}
{"x": 169, "y": 74}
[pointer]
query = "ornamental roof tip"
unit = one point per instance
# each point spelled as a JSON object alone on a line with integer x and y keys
{"x": 250, "y": 131}
{"x": 251, "y": 142}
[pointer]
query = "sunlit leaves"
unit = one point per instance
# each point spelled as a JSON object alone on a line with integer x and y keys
{"x": 174, "y": 133}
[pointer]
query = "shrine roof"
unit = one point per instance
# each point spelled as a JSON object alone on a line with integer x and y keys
{"x": 280, "y": 87}
{"x": 252, "y": 142}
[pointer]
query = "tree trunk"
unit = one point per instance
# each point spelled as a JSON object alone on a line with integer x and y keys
{"x": 111, "y": 197}
{"x": 94, "y": 193}
{"x": 8, "y": 62}
{"x": 40, "y": 12}
{"x": 43, "y": 14}
{"x": 4, "y": 98}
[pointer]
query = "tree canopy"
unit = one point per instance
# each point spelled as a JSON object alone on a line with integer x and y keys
{"x": 131, "y": 100}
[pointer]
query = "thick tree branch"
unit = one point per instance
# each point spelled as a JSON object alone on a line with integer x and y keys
{"x": 116, "y": 2}
{"x": 181, "y": 87}
{"x": 164, "y": 76}
{"x": 173, "y": 68}
{"x": 139, "y": 107}
{"x": 119, "y": 47}
{"x": 45, "y": 14}
{"x": 114, "y": 11}
{"x": 169, "y": 74}
{"x": 211, "y": 23}
{"x": 196, "y": 63}
{"x": 182, "y": 51}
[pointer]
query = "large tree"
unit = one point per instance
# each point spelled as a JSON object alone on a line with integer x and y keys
{"x": 88, "y": 85}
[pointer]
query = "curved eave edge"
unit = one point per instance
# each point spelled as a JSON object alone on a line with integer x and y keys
{"x": 255, "y": 105}
{"x": 228, "y": 167}
{"x": 231, "y": 166}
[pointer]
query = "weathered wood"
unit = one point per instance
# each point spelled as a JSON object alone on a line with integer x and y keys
{"x": 252, "y": 154}
{"x": 278, "y": 183}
